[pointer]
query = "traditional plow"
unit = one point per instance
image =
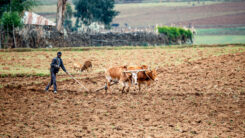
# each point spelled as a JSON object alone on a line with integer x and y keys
{"x": 78, "y": 82}
{"x": 133, "y": 72}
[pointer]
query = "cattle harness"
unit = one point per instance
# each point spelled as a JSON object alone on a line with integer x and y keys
{"x": 135, "y": 72}
{"x": 78, "y": 82}
{"x": 129, "y": 71}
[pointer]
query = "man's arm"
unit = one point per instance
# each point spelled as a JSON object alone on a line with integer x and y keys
{"x": 62, "y": 66}
{"x": 53, "y": 64}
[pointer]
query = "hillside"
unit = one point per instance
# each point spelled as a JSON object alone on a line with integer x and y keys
{"x": 212, "y": 14}
{"x": 225, "y": 14}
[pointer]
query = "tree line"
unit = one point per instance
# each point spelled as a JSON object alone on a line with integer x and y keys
{"x": 86, "y": 12}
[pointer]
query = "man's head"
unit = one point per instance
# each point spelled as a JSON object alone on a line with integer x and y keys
{"x": 59, "y": 54}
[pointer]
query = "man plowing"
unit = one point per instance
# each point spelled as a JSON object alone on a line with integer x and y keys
{"x": 54, "y": 69}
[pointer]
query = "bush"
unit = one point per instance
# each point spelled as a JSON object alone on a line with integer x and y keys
{"x": 11, "y": 20}
{"x": 175, "y": 33}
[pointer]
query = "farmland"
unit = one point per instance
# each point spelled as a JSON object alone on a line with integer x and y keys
{"x": 216, "y": 22}
{"x": 142, "y": 14}
{"x": 200, "y": 92}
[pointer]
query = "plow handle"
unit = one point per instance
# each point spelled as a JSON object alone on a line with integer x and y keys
{"x": 78, "y": 82}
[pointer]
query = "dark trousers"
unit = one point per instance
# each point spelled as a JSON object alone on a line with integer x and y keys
{"x": 53, "y": 81}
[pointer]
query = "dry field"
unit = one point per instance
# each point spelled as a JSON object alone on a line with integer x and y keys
{"x": 200, "y": 93}
{"x": 212, "y": 14}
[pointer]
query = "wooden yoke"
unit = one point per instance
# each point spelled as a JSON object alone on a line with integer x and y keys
{"x": 134, "y": 75}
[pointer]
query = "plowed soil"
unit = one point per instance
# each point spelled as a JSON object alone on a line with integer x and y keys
{"x": 202, "y": 98}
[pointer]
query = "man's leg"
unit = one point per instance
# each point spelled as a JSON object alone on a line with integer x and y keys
{"x": 50, "y": 83}
{"x": 54, "y": 81}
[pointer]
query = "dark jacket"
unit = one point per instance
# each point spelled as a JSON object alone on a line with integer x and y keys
{"x": 55, "y": 65}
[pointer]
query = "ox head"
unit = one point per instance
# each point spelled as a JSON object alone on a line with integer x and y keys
{"x": 152, "y": 74}
{"x": 135, "y": 77}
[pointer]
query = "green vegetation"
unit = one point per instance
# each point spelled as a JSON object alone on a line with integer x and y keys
{"x": 11, "y": 20}
{"x": 68, "y": 17}
{"x": 12, "y": 11}
{"x": 88, "y": 11}
{"x": 175, "y": 33}
{"x": 221, "y": 31}
{"x": 219, "y": 39}
{"x": 18, "y": 6}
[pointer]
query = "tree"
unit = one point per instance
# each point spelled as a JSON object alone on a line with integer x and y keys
{"x": 88, "y": 11}
{"x": 61, "y": 7}
{"x": 16, "y": 6}
{"x": 10, "y": 20}
{"x": 11, "y": 12}
{"x": 68, "y": 17}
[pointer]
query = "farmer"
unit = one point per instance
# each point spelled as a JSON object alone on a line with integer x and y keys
{"x": 55, "y": 66}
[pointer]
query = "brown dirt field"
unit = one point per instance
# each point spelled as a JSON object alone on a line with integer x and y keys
{"x": 39, "y": 61}
{"x": 223, "y": 14}
{"x": 219, "y": 21}
{"x": 202, "y": 98}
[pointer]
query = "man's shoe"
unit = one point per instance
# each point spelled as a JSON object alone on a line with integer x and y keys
{"x": 55, "y": 92}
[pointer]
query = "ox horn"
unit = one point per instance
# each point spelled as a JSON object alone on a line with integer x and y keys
{"x": 157, "y": 67}
{"x": 149, "y": 68}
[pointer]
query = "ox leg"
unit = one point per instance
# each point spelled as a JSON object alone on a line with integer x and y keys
{"x": 139, "y": 84}
{"x": 129, "y": 85}
{"x": 108, "y": 84}
{"x": 124, "y": 85}
{"x": 123, "y": 89}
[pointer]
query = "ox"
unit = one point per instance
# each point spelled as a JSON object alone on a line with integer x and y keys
{"x": 80, "y": 67}
{"x": 86, "y": 66}
{"x": 147, "y": 76}
{"x": 117, "y": 74}
{"x": 126, "y": 76}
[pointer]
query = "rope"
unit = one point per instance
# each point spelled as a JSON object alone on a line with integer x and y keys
{"x": 104, "y": 87}
{"x": 148, "y": 76}
{"x": 138, "y": 72}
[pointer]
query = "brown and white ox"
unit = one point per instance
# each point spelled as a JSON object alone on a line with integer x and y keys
{"x": 117, "y": 74}
{"x": 126, "y": 76}
{"x": 143, "y": 75}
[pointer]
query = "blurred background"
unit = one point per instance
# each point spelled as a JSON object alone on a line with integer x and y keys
{"x": 216, "y": 22}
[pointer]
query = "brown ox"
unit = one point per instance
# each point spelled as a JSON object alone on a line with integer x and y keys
{"x": 80, "y": 67}
{"x": 143, "y": 77}
{"x": 86, "y": 66}
{"x": 117, "y": 74}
